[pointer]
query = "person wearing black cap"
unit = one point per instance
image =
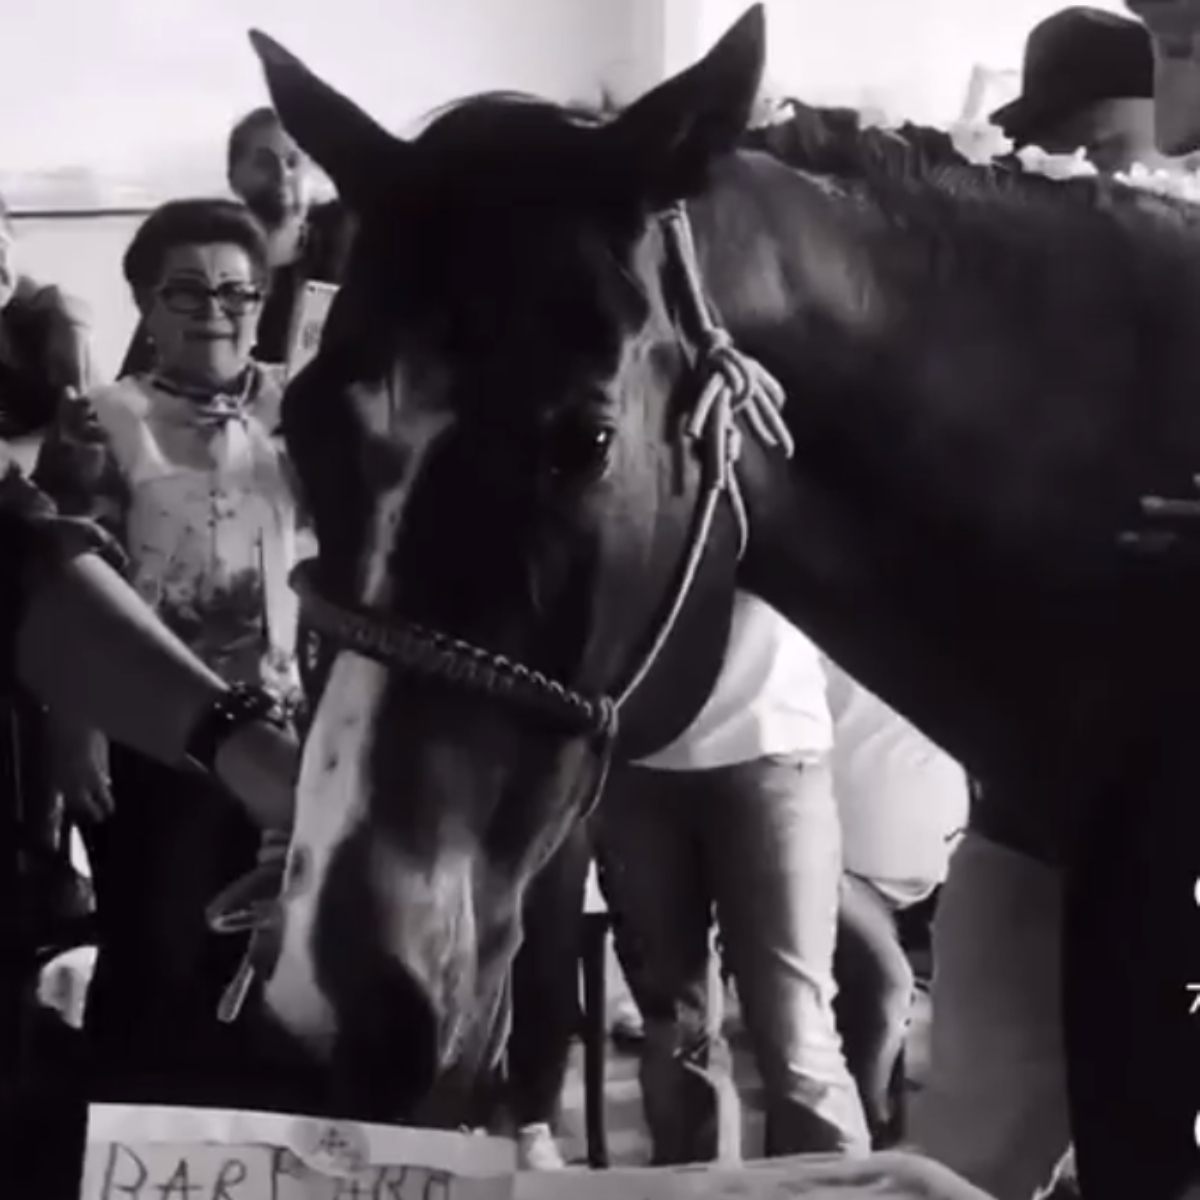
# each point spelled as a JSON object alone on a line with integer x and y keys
{"x": 1087, "y": 82}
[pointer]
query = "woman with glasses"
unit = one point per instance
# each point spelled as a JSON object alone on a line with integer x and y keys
{"x": 306, "y": 241}
{"x": 182, "y": 465}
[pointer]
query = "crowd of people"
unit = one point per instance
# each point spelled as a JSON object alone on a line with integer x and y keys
{"x": 798, "y": 817}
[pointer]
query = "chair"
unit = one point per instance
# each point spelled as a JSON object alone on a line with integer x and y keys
{"x": 596, "y": 926}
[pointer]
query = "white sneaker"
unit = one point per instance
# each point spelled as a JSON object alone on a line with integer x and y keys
{"x": 625, "y": 1025}
{"x": 537, "y": 1150}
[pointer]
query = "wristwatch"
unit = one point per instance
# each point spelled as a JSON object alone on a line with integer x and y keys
{"x": 239, "y": 705}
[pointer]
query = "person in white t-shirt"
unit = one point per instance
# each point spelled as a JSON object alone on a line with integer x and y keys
{"x": 738, "y": 814}
{"x": 903, "y": 803}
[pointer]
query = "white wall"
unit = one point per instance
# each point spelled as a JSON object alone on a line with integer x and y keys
{"x": 119, "y": 84}
{"x": 114, "y": 84}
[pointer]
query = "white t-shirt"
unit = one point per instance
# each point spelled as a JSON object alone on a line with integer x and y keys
{"x": 769, "y": 698}
{"x": 902, "y": 799}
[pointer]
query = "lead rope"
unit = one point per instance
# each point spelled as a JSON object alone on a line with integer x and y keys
{"x": 735, "y": 386}
{"x": 252, "y": 904}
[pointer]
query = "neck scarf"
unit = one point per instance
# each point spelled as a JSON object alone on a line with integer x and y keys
{"x": 212, "y": 408}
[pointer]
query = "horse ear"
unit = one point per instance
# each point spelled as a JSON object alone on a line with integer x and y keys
{"x": 349, "y": 146}
{"x": 672, "y": 134}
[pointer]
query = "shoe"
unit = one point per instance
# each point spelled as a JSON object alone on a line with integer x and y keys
{"x": 625, "y": 1026}
{"x": 537, "y": 1149}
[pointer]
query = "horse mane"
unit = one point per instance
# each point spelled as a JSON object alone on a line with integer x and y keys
{"x": 834, "y": 141}
{"x": 912, "y": 160}
{"x": 955, "y": 215}
{"x": 830, "y": 142}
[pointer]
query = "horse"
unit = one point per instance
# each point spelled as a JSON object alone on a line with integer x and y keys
{"x": 511, "y": 457}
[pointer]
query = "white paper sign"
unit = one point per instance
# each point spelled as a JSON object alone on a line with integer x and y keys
{"x": 147, "y": 1153}
{"x": 312, "y": 309}
{"x": 888, "y": 1175}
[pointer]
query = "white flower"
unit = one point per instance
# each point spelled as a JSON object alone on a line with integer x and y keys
{"x": 1180, "y": 181}
{"x": 1167, "y": 181}
{"x": 1037, "y": 161}
{"x": 979, "y": 141}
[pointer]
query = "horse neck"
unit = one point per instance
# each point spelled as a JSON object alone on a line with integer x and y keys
{"x": 858, "y": 539}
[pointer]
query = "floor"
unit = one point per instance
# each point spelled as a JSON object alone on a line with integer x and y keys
{"x": 628, "y": 1143}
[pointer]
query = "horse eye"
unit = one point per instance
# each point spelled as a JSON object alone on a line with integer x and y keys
{"x": 577, "y": 449}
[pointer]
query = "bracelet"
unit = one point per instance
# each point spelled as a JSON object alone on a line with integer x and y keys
{"x": 240, "y": 705}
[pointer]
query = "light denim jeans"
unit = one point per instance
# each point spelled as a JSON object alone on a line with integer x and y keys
{"x": 994, "y": 1108}
{"x": 760, "y": 843}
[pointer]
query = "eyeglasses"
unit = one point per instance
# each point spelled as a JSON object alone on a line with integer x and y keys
{"x": 190, "y": 299}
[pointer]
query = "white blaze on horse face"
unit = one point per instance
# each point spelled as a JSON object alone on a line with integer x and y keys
{"x": 414, "y": 417}
{"x": 335, "y": 787}
{"x": 331, "y": 800}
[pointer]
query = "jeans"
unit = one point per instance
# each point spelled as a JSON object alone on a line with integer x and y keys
{"x": 874, "y": 1003}
{"x": 760, "y": 842}
{"x": 995, "y": 1106}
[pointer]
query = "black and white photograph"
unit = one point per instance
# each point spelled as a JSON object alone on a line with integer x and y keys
{"x": 600, "y": 600}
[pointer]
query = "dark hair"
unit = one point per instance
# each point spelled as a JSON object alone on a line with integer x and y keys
{"x": 191, "y": 223}
{"x": 240, "y": 135}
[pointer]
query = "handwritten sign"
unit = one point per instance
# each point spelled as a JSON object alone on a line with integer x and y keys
{"x": 312, "y": 309}
{"x": 194, "y": 1154}
{"x": 145, "y": 1153}
{"x": 888, "y": 1175}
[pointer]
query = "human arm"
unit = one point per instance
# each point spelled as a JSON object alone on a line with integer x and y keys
{"x": 88, "y": 647}
{"x": 78, "y": 470}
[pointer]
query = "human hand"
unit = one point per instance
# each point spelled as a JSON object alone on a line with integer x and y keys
{"x": 259, "y": 763}
{"x": 273, "y": 849}
{"x": 78, "y": 770}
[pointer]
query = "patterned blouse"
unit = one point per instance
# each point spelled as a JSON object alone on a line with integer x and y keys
{"x": 197, "y": 491}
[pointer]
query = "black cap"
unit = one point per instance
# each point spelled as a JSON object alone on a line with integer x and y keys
{"x": 1076, "y": 58}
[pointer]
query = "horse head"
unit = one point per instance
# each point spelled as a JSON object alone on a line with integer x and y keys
{"x": 515, "y": 528}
